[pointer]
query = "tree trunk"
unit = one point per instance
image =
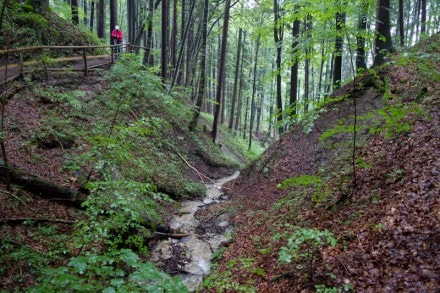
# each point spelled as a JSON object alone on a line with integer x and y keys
{"x": 383, "y": 43}
{"x": 294, "y": 67}
{"x": 182, "y": 45}
{"x": 401, "y": 25}
{"x": 173, "y": 52}
{"x": 74, "y": 8}
{"x": 92, "y": 15}
{"x": 221, "y": 75}
{"x": 360, "y": 39}
{"x": 308, "y": 28}
{"x": 165, "y": 35}
{"x": 240, "y": 91}
{"x": 339, "y": 42}
{"x": 254, "y": 90}
{"x": 148, "y": 57}
{"x": 278, "y": 37}
{"x": 423, "y": 16}
{"x": 237, "y": 70}
{"x": 85, "y": 8}
{"x": 201, "y": 90}
{"x": 113, "y": 16}
{"x": 101, "y": 19}
{"x": 39, "y": 186}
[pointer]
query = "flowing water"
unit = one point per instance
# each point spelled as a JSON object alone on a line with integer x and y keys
{"x": 189, "y": 255}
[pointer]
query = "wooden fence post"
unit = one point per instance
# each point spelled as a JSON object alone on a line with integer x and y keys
{"x": 86, "y": 73}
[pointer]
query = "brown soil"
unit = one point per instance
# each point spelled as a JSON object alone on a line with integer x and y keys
{"x": 388, "y": 231}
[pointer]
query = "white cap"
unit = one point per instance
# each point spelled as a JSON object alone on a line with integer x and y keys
{"x": 116, "y": 27}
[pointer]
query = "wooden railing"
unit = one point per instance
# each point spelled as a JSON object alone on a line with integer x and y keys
{"x": 12, "y": 64}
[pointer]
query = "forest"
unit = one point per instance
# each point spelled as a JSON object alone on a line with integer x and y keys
{"x": 219, "y": 146}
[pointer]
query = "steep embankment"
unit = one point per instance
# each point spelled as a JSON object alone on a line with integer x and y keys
{"x": 118, "y": 145}
{"x": 379, "y": 201}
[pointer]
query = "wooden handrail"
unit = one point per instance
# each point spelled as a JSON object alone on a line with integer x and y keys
{"x": 8, "y": 51}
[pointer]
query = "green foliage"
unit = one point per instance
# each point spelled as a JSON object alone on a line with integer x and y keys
{"x": 396, "y": 118}
{"x": 114, "y": 271}
{"x": 390, "y": 120}
{"x": 303, "y": 243}
{"x": 325, "y": 289}
{"x": 305, "y": 183}
{"x": 120, "y": 212}
{"x": 224, "y": 281}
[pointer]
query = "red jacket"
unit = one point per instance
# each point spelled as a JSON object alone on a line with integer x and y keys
{"x": 117, "y": 34}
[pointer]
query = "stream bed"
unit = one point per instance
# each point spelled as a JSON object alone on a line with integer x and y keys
{"x": 189, "y": 254}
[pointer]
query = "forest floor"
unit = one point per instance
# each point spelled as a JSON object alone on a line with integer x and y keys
{"x": 28, "y": 219}
{"x": 385, "y": 216}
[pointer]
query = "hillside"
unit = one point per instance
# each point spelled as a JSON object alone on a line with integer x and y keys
{"x": 315, "y": 214}
{"x": 92, "y": 167}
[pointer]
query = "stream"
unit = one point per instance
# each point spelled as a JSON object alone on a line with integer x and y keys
{"x": 190, "y": 256}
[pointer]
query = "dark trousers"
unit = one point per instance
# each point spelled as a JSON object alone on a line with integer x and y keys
{"x": 117, "y": 49}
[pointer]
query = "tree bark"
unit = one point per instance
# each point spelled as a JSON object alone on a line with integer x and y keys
{"x": 294, "y": 67}
{"x": 74, "y": 8}
{"x": 165, "y": 35}
{"x": 254, "y": 90}
{"x": 383, "y": 43}
{"x": 40, "y": 186}
{"x": 423, "y": 16}
{"x": 101, "y": 19}
{"x": 237, "y": 70}
{"x": 278, "y": 37}
{"x": 339, "y": 42}
{"x": 201, "y": 90}
{"x": 221, "y": 75}
{"x": 92, "y": 15}
{"x": 113, "y": 16}
{"x": 360, "y": 39}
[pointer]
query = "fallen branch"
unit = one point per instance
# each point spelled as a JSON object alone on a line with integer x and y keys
{"x": 201, "y": 175}
{"x": 39, "y": 186}
{"x": 17, "y": 198}
{"x": 173, "y": 235}
{"x": 13, "y": 220}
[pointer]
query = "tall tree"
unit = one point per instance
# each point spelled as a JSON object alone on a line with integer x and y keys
{"x": 401, "y": 24}
{"x": 101, "y": 19}
{"x": 178, "y": 63}
{"x": 308, "y": 49}
{"x": 254, "y": 90}
{"x": 148, "y": 57}
{"x": 74, "y": 9}
{"x": 294, "y": 67}
{"x": 85, "y": 9}
{"x": 221, "y": 75}
{"x": 278, "y": 32}
{"x": 339, "y": 42}
{"x": 173, "y": 51}
{"x": 202, "y": 86}
{"x": 236, "y": 77}
{"x": 113, "y": 15}
{"x": 40, "y": 6}
{"x": 92, "y": 14}
{"x": 423, "y": 18}
{"x": 360, "y": 36}
{"x": 165, "y": 36}
{"x": 383, "y": 43}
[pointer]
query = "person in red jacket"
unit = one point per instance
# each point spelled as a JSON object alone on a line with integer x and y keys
{"x": 117, "y": 40}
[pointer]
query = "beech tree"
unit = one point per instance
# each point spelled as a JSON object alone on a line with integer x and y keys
{"x": 165, "y": 35}
{"x": 74, "y": 9}
{"x": 221, "y": 71}
{"x": 278, "y": 33}
{"x": 383, "y": 43}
